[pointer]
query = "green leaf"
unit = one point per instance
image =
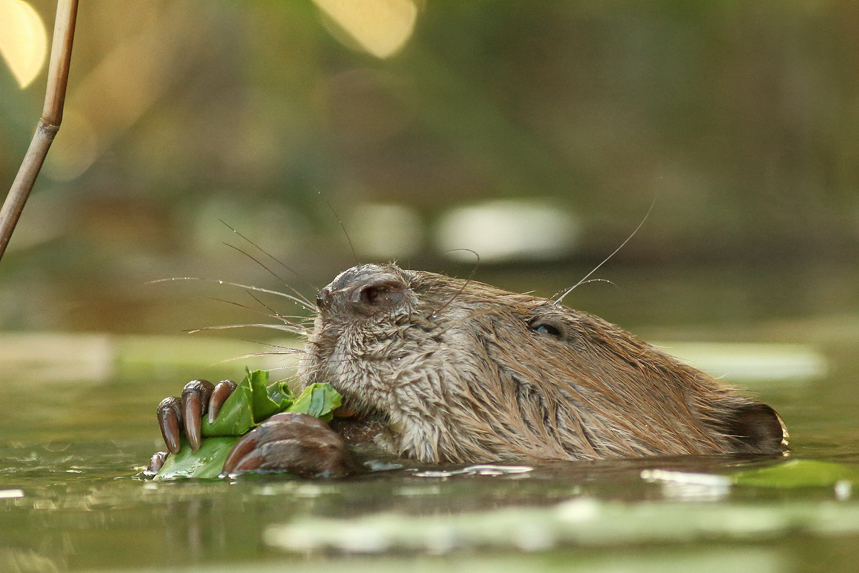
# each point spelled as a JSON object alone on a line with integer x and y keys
{"x": 205, "y": 463}
{"x": 263, "y": 407}
{"x": 236, "y": 416}
{"x": 317, "y": 400}
{"x": 250, "y": 404}
{"x": 280, "y": 393}
{"x": 797, "y": 473}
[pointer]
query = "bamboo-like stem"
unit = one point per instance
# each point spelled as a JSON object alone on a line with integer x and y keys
{"x": 49, "y": 124}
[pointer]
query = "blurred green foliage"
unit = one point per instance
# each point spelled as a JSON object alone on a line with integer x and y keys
{"x": 740, "y": 118}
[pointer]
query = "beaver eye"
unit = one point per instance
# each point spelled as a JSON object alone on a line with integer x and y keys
{"x": 545, "y": 327}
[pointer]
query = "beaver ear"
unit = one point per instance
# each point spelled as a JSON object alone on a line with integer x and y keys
{"x": 757, "y": 428}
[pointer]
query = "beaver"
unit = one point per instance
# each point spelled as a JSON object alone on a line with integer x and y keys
{"x": 440, "y": 369}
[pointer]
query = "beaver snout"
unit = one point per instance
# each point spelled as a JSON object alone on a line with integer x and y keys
{"x": 323, "y": 299}
{"x": 363, "y": 290}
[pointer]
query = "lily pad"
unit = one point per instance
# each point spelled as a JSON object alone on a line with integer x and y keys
{"x": 797, "y": 473}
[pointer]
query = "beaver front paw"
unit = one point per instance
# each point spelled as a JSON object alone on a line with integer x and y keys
{"x": 294, "y": 443}
{"x": 176, "y": 414}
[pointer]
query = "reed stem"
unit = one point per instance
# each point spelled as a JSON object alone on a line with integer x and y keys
{"x": 49, "y": 124}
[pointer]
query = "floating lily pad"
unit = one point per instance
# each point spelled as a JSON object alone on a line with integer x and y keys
{"x": 797, "y": 473}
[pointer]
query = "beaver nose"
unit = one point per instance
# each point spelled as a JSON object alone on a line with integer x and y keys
{"x": 375, "y": 296}
{"x": 366, "y": 299}
{"x": 364, "y": 290}
{"x": 323, "y": 299}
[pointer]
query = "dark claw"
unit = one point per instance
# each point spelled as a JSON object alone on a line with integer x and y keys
{"x": 242, "y": 448}
{"x": 222, "y": 391}
{"x": 155, "y": 464}
{"x": 195, "y": 403}
{"x": 170, "y": 419}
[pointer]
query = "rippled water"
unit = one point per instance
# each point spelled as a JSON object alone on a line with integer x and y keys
{"x": 70, "y": 497}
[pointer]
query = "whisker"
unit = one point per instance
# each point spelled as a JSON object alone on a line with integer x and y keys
{"x": 465, "y": 285}
{"x": 342, "y": 226}
{"x": 306, "y": 305}
{"x": 170, "y": 279}
{"x": 622, "y": 245}
{"x": 252, "y": 355}
{"x": 600, "y": 281}
{"x": 280, "y": 327}
{"x": 285, "y": 349}
{"x": 255, "y": 311}
{"x": 271, "y": 272}
{"x": 274, "y": 314}
{"x": 275, "y": 259}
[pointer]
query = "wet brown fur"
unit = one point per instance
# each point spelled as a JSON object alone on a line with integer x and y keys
{"x": 457, "y": 371}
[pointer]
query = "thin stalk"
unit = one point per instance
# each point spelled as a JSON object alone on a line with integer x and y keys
{"x": 49, "y": 124}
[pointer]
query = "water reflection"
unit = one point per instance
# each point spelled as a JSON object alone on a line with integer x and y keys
{"x": 478, "y": 470}
{"x": 688, "y": 486}
{"x": 580, "y": 521}
{"x": 541, "y": 509}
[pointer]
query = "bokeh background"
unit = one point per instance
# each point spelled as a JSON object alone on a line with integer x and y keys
{"x": 538, "y": 134}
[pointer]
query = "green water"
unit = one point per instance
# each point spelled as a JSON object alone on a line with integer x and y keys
{"x": 71, "y": 499}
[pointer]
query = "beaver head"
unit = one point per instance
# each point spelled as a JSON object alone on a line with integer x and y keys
{"x": 460, "y": 371}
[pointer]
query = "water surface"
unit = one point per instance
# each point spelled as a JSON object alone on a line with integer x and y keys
{"x": 71, "y": 497}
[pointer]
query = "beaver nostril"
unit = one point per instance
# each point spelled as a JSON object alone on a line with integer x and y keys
{"x": 323, "y": 299}
{"x": 376, "y": 296}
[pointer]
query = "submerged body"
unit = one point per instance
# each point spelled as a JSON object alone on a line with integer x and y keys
{"x": 439, "y": 369}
